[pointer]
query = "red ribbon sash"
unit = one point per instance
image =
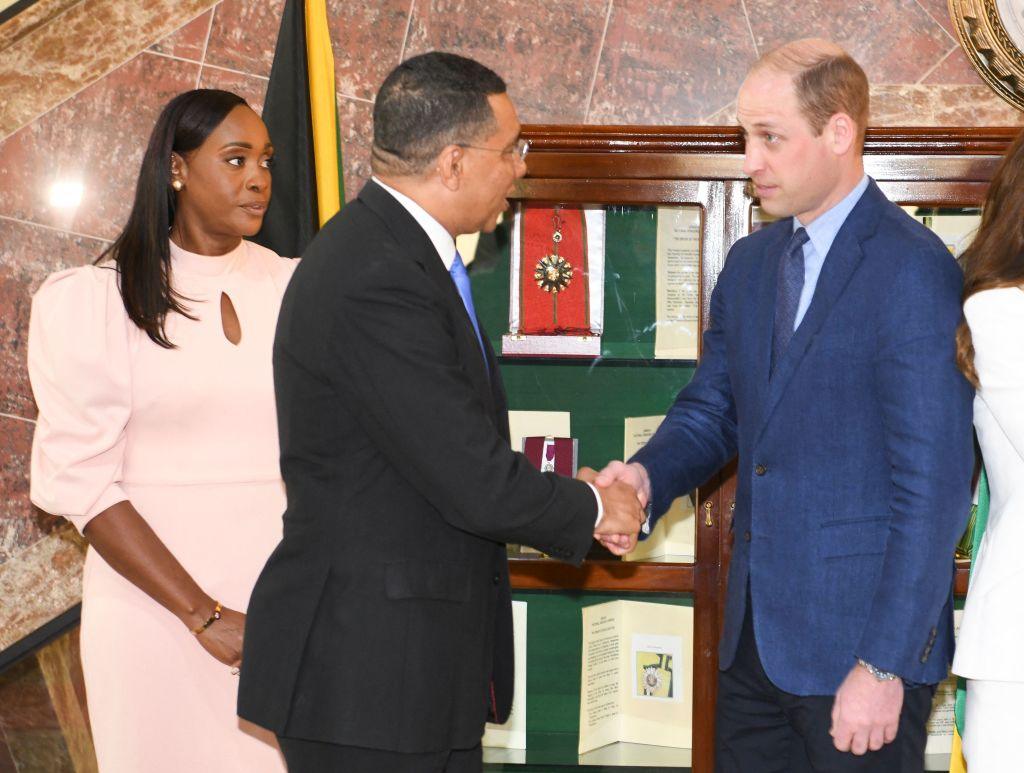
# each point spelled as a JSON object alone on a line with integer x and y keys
{"x": 538, "y": 309}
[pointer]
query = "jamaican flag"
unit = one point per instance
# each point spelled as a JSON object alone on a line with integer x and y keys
{"x": 301, "y": 114}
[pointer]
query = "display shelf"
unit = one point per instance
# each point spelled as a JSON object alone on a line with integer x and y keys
{"x": 552, "y": 751}
{"x": 618, "y": 356}
{"x": 607, "y": 575}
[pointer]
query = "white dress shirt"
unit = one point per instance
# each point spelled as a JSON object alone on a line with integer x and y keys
{"x": 820, "y": 234}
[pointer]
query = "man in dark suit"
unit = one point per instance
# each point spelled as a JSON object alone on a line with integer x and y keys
{"x": 379, "y": 635}
{"x": 828, "y": 366}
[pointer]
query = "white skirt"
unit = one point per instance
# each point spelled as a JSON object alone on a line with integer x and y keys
{"x": 992, "y": 726}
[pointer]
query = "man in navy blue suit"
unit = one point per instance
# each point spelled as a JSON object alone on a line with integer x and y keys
{"x": 828, "y": 367}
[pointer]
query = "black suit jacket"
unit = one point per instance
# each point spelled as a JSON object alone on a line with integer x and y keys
{"x": 383, "y": 618}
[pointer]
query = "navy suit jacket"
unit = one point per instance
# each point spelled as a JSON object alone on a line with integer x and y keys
{"x": 855, "y": 456}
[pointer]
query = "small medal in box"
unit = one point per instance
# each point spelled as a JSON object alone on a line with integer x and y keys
{"x": 553, "y": 454}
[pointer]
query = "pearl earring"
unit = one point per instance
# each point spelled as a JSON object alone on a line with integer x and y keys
{"x": 177, "y": 184}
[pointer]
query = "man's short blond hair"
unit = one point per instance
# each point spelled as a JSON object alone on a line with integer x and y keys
{"x": 826, "y": 80}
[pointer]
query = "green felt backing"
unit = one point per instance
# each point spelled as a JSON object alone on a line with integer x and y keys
{"x": 599, "y": 393}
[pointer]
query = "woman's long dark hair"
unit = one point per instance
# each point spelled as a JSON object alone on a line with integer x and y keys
{"x": 996, "y": 256}
{"x": 142, "y": 250}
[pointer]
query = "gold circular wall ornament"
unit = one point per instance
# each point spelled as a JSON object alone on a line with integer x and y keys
{"x": 991, "y": 33}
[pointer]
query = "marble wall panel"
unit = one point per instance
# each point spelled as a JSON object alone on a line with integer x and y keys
{"x": 28, "y": 253}
{"x": 920, "y": 105}
{"x": 252, "y": 88}
{"x": 189, "y": 41}
{"x": 367, "y": 37}
{"x": 954, "y": 69}
{"x": 938, "y": 10}
{"x": 20, "y": 523}
{"x": 42, "y": 581}
{"x": 545, "y": 51}
{"x": 724, "y": 117}
{"x": 92, "y": 38}
{"x": 95, "y": 140}
{"x": 32, "y": 18}
{"x": 666, "y": 62}
{"x": 895, "y": 41}
{"x": 15, "y": 305}
{"x": 355, "y": 125}
{"x": 244, "y": 34}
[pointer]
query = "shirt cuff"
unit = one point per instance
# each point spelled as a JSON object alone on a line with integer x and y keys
{"x": 600, "y": 506}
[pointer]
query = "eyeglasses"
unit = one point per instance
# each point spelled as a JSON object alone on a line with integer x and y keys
{"x": 519, "y": 150}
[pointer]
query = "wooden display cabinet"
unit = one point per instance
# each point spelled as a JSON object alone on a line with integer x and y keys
{"x": 702, "y": 166}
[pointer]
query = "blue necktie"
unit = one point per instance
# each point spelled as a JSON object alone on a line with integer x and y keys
{"x": 461, "y": 278}
{"x": 787, "y": 293}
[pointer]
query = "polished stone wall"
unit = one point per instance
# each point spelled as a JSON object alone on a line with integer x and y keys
{"x": 81, "y": 82}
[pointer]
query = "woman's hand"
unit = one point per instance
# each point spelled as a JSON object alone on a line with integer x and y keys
{"x": 223, "y": 639}
{"x": 133, "y": 549}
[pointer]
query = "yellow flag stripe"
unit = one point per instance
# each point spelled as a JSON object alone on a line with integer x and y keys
{"x": 323, "y": 109}
{"x": 957, "y": 764}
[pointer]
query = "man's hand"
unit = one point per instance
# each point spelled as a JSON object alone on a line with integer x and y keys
{"x": 866, "y": 712}
{"x": 623, "y": 514}
{"x": 634, "y": 474}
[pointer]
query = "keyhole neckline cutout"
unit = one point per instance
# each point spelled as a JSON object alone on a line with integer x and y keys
{"x": 229, "y": 320}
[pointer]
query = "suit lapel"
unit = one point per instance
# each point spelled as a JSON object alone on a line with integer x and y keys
{"x": 409, "y": 234}
{"x": 844, "y": 256}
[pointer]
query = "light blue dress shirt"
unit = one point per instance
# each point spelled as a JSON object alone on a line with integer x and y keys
{"x": 822, "y": 232}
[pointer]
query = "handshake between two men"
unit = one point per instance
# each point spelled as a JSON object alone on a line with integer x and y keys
{"x": 625, "y": 490}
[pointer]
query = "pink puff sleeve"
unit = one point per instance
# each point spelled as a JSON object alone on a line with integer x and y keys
{"x": 80, "y": 369}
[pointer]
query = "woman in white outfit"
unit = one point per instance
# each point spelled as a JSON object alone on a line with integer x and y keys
{"x": 990, "y": 349}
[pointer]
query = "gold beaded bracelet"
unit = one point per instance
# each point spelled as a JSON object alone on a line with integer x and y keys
{"x": 213, "y": 618}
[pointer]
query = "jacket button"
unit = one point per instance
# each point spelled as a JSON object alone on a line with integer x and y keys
{"x": 760, "y": 469}
{"x": 497, "y": 579}
{"x": 746, "y": 536}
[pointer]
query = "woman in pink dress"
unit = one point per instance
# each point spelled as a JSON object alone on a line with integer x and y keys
{"x": 157, "y": 438}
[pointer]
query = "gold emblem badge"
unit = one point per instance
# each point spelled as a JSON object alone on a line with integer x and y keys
{"x": 553, "y": 273}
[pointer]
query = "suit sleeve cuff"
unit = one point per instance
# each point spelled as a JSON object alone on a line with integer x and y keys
{"x": 600, "y": 506}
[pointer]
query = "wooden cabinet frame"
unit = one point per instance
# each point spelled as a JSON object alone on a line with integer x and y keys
{"x": 703, "y": 166}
